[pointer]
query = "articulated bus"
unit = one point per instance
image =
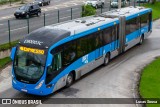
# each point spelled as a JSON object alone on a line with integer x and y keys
{"x": 55, "y": 56}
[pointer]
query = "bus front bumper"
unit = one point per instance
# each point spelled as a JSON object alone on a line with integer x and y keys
{"x": 43, "y": 91}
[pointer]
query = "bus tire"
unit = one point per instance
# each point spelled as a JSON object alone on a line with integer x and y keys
{"x": 69, "y": 79}
{"x": 106, "y": 59}
{"x": 141, "y": 40}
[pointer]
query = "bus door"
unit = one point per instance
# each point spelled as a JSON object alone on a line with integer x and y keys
{"x": 98, "y": 45}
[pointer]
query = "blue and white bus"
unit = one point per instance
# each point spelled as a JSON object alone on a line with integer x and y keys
{"x": 55, "y": 56}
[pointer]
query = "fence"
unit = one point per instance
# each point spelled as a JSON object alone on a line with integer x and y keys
{"x": 18, "y": 28}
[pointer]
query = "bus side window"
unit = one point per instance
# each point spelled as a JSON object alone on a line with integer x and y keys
{"x": 98, "y": 38}
{"x": 144, "y": 20}
{"x": 82, "y": 47}
{"x": 107, "y": 36}
{"x": 69, "y": 53}
{"x": 91, "y": 42}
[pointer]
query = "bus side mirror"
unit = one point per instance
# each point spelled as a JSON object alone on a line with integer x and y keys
{"x": 13, "y": 53}
{"x": 49, "y": 60}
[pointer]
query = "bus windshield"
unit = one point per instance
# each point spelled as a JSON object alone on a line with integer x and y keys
{"x": 28, "y": 66}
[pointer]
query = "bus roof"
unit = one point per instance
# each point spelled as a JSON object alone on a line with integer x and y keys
{"x": 44, "y": 37}
{"x": 49, "y": 35}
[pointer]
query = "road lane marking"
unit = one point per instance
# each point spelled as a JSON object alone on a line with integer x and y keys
{"x": 72, "y": 9}
{"x": 6, "y": 17}
{"x": 1, "y": 24}
{"x": 18, "y": 28}
{"x": 65, "y": 17}
{"x": 47, "y": 14}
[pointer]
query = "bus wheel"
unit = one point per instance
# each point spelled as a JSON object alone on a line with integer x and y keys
{"x": 141, "y": 40}
{"x": 69, "y": 80}
{"x": 106, "y": 59}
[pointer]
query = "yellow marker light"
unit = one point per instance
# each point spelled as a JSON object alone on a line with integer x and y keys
{"x": 32, "y": 50}
{"x": 114, "y": 23}
{"x": 99, "y": 29}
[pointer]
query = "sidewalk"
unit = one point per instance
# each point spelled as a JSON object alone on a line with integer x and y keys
{"x": 14, "y": 4}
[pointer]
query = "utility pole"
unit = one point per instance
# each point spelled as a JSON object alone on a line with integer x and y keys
{"x": 119, "y": 4}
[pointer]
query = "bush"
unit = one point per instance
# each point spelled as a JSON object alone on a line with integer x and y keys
{"x": 88, "y": 10}
{"x": 4, "y": 62}
{"x": 8, "y": 46}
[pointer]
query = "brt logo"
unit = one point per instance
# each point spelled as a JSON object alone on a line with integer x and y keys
{"x": 85, "y": 59}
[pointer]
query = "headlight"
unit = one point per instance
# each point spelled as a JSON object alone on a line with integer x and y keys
{"x": 23, "y": 12}
{"x": 39, "y": 85}
{"x": 40, "y": 2}
{"x": 13, "y": 80}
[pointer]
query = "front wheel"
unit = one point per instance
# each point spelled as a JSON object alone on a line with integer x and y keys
{"x": 39, "y": 13}
{"x": 141, "y": 40}
{"x": 69, "y": 80}
{"x": 27, "y": 16}
{"x": 106, "y": 59}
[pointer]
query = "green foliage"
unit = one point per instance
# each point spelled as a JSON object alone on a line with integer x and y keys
{"x": 153, "y": 1}
{"x": 4, "y": 61}
{"x": 150, "y": 82}
{"x": 88, "y": 10}
{"x": 8, "y": 46}
{"x": 7, "y": 1}
{"x": 155, "y": 9}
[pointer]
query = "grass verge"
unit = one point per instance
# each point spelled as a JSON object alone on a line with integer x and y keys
{"x": 8, "y": 46}
{"x": 4, "y": 62}
{"x": 155, "y": 9}
{"x": 2, "y": 2}
{"x": 150, "y": 82}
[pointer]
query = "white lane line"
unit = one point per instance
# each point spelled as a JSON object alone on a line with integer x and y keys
{"x": 72, "y": 9}
{"x": 75, "y": 8}
{"x": 47, "y": 14}
{"x": 1, "y": 24}
{"x": 65, "y": 17}
{"x": 75, "y": 3}
{"x": 57, "y": 1}
{"x": 6, "y": 17}
{"x": 18, "y": 28}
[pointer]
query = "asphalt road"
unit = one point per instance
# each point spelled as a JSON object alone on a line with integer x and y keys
{"x": 116, "y": 80}
{"x": 19, "y": 27}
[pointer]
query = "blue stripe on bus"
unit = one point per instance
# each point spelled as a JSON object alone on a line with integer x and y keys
{"x": 82, "y": 34}
{"x": 136, "y": 34}
{"x": 135, "y": 15}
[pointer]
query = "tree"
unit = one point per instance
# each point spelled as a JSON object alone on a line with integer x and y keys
{"x": 153, "y": 1}
{"x": 88, "y": 10}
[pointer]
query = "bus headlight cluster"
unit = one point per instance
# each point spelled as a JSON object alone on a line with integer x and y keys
{"x": 39, "y": 85}
{"x": 13, "y": 80}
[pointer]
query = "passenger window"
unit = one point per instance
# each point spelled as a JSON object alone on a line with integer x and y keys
{"x": 144, "y": 20}
{"x": 132, "y": 25}
{"x": 69, "y": 53}
{"x": 91, "y": 43}
{"x": 82, "y": 47}
{"x": 107, "y": 36}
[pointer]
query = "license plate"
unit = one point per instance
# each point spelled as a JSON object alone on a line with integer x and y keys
{"x": 24, "y": 90}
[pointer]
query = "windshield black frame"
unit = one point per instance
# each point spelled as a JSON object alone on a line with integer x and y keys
{"x": 37, "y": 67}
